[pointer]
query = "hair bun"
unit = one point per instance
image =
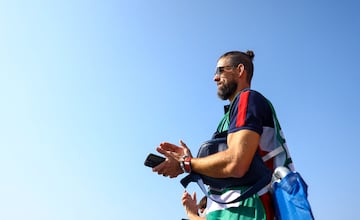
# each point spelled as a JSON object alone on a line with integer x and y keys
{"x": 251, "y": 54}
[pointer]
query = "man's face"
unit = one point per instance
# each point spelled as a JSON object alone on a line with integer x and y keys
{"x": 225, "y": 79}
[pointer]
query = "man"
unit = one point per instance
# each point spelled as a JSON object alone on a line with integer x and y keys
{"x": 250, "y": 128}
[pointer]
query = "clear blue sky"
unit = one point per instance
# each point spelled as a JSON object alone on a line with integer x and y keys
{"x": 89, "y": 88}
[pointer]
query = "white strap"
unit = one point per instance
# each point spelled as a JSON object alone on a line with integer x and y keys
{"x": 264, "y": 190}
{"x": 273, "y": 153}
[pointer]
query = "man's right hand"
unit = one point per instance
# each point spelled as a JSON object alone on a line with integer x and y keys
{"x": 174, "y": 155}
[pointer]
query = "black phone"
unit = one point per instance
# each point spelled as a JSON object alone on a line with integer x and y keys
{"x": 152, "y": 160}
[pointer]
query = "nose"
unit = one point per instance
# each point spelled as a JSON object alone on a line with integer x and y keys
{"x": 216, "y": 77}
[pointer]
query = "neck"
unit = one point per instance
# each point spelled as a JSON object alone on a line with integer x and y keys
{"x": 232, "y": 97}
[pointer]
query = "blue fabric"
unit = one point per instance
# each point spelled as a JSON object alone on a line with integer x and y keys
{"x": 257, "y": 170}
{"x": 290, "y": 197}
{"x": 257, "y": 111}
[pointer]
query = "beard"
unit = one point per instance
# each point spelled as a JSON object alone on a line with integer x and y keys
{"x": 226, "y": 90}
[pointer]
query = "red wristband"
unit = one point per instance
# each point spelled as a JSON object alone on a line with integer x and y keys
{"x": 187, "y": 164}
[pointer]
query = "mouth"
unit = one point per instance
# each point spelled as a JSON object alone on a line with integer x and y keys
{"x": 219, "y": 84}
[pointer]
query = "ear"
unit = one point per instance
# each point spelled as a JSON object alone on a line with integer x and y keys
{"x": 241, "y": 70}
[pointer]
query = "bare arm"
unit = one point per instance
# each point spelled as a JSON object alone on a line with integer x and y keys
{"x": 233, "y": 162}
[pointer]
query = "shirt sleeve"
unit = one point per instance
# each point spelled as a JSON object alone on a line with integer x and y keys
{"x": 250, "y": 111}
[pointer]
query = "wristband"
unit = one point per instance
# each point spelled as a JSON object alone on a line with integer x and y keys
{"x": 182, "y": 165}
{"x": 185, "y": 164}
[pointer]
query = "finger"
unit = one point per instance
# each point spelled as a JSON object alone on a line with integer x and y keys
{"x": 185, "y": 147}
{"x": 185, "y": 194}
{"x": 158, "y": 168}
{"x": 194, "y": 196}
{"x": 161, "y": 150}
{"x": 168, "y": 146}
{"x": 182, "y": 143}
{"x": 184, "y": 200}
{"x": 167, "y": 154}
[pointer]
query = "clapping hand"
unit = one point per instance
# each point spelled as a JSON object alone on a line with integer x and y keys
{"x": 174, "y": 155}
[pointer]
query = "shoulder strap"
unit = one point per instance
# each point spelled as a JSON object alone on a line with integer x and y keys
{"x": 194, "y": 177}
{"x": 278, "y": 140}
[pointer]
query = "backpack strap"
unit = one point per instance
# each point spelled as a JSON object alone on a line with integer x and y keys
{"x": 194, "y": 177}
{"x": 279, "y": 139}
{"x": 273, "y": 153}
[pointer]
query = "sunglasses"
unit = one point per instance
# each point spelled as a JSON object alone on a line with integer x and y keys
{"x": 221, "y": 69}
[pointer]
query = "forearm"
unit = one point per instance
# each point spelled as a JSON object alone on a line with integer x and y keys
{"x": 218, "y": 165}
{"x": 234, "y": 161}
